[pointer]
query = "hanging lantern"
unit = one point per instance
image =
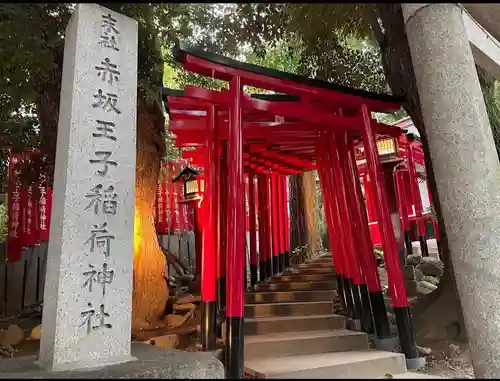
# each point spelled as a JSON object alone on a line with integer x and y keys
{"x": 193, "y": 184}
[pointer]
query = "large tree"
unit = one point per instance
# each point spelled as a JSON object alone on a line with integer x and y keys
{"x": 33, "y": 36}
{"x": 31, "y": 53}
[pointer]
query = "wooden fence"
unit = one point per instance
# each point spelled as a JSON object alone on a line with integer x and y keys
{"x": 22, "y": 282}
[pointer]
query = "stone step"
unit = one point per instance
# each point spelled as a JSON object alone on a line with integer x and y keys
{"x": 304, "y": 278}
{"x": 351, "y": 364}
{"x": 315, "y": 265}
{"x": 312, "y": 270}
{"x": 412, "y": 375}
{"x": 326, "y": 258}
{"x": 290, "y": 296}
{"x": 288, "y": 309}
{"x": 262, "y": 326}
{"x": 303, "y": 343}
{"x": 296, "y": 286}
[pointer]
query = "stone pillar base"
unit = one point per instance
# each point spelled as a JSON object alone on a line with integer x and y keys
{"x": 415, "y": 364}
{"x": 389, "y": 344}
{"x": 152, "y": 362}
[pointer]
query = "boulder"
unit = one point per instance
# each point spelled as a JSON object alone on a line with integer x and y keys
{"x": 413, "y": 259}
{"x": 424, "y": 350}
{"x": 418, "y": 275}
{"x": 431, "y": 266}
{"x": 411, "y": 287}
{"x": 425, "y": 288}
{"x": 409, "y": 272}
{"x": 431, "y": 279}
{"x": 12, "y": 336}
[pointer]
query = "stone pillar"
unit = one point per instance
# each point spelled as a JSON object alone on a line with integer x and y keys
{"x": 88, "y": 293}
{"x": 466, "y": 166}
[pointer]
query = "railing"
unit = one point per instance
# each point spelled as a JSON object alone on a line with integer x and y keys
{"x": 22, "y": 282}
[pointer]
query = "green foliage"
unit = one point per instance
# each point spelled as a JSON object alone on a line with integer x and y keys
{"x": 491, "y": 95}
{"x": 337, "y": 44}
{"x": 391, "y": 117}
{"x": 18, "y": 132}
{"x": 32, "y": 46}
{"x": 31, "y": 35}
{"x": 3, "y": 222}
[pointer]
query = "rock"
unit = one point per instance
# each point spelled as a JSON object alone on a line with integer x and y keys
{"x": 174, "y": 321}
{"x": 12, "y": 336}
{"x": 425, "y": 288}
{"x": 189, "y": 298}
{"x": 35, "y": 332}
{"x": 431, "y": 279}
{"x": 409, "y": 272}
{"x": 454, "y": 350}
{"x": 7, "y": 351}
{"x": 418, "y": 274}
{"x": 166, "y": 341}
{"x": 184, "y": 307}
{"x": 424, "y": 350}
{"x": 411, "y": 287}
{"x": 431, "y": 266}
{"x": 413, "y": 259}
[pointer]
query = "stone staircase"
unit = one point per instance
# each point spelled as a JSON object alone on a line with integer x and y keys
{"x": 291, "y": 331}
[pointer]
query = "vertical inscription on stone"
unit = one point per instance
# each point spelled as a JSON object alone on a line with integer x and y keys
{"x": 89, "y": 274}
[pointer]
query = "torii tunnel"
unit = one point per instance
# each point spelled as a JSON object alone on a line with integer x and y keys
{"x": 402, "y": 159}
{"x": 309, "y": 124}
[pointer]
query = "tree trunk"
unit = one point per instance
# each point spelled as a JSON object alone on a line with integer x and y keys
{"x": 49, "y": 90}
{"x": 396, "y": 60}
{"x": 150, "y": 288}
{"x": 296, "y": 215}
{"x": 309, "y": 211}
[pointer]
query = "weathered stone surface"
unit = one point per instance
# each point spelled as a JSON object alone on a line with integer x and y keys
{"x": 431, "y": 279}
{"x": 411, "y": 287}
{"x": 88, "y": 290}
{"x": 152, "y": 362}
{"x": 418, "y": 274}
{"x": 466, "y": 168}
{"x": 409, "y": 272}
{"x": 413, "y": 259}
{"x": 431, "y": 266}
{"x": 425, "y": 288}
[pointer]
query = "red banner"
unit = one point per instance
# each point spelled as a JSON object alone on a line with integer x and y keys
{"x": 14, "y": 244}
{"x": 171, "y": 213}
{"x": 161, "y": 209}
{"x": 44, "y": 211}
{"x": 29, "y": 217}
{"x": 29, "y": 208}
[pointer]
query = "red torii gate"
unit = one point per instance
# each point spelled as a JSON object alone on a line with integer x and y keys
{"x": 315, "y": 125}
{"x": 403, "y": 154}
